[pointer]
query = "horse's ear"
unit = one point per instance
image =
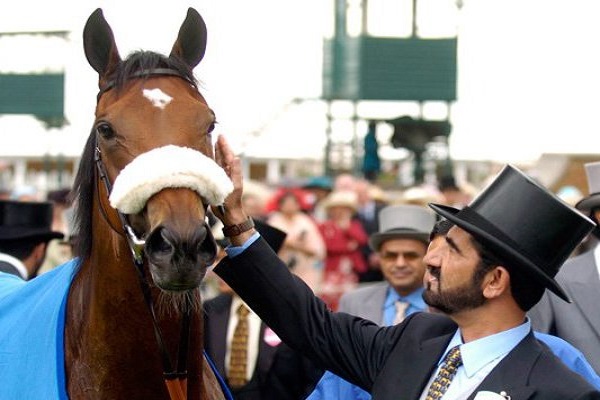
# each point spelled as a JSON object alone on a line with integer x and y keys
{"x": 191, "y": 41}
{"x": 99, "y": 44}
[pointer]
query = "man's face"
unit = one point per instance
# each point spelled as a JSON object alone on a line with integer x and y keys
{"x": 450, "y": 283}
{"x": 402, "y": 264}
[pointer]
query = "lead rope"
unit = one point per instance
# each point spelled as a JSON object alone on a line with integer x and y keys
{"x": 175, "y": 379}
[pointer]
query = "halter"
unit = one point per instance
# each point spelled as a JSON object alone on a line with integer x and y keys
{"x": 175, "y": 378}
{"x": 144, "y": 74}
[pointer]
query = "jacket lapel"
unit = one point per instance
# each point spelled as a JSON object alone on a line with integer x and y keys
{"x": 266, "y": 355}
{"x": 511, "y": 374}
{"x": 410, "y": 378}
{"x": 373, "y": 306}
{"x": 219, "y": 319}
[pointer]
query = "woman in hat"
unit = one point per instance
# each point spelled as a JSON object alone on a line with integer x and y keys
{"x": 344, "y": 238}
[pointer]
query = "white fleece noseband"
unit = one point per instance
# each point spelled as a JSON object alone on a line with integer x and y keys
{"x": 168, "y": 167}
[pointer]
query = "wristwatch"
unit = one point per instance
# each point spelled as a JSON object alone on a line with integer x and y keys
{"x": 234, "y": 230}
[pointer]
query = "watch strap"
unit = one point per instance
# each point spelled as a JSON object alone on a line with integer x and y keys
{"x": 237, "y": 229}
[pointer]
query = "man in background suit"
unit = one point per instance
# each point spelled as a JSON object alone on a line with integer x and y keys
{"x": 274, "y": 370}
{"x": 578, "y": 323}
{"x": 401, "y": 244}
{"x": 25, "y": 230}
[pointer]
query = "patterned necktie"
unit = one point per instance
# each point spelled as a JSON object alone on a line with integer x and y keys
{"x": 238, "y": 359}
{"x": 445, "y": 374}
{"x": 401, "y": 307}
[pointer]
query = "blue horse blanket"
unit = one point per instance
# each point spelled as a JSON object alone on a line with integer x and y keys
{"x": 32, "y": 321}
{"x": 32, "y": 326}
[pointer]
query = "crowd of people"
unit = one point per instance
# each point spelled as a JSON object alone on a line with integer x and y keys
{"x": 372, "y": 261}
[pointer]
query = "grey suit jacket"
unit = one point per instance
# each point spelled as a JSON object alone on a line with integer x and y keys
{"x": 366, "y": 302}
{"x": 579, "y": 322}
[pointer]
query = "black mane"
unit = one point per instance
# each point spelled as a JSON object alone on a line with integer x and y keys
{"x": 86, "y": 183}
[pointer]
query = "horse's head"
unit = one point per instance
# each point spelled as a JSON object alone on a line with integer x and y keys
{"x": 151, "y": 140}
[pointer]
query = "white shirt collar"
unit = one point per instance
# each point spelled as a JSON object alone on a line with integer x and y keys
{"x": 15, "y": 262}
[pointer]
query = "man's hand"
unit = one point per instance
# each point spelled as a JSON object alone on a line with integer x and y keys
{"x": 232, "y": 212}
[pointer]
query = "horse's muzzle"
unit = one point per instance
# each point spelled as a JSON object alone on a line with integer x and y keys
{"x": 178, "y": 261}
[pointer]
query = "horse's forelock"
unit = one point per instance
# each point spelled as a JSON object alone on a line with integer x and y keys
{"x": 146, "y": 61}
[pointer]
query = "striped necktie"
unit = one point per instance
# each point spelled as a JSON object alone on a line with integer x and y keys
{"x": 401, "y": 307}
{"x": 445, "y": 375}
{"x": 238, "y": 358}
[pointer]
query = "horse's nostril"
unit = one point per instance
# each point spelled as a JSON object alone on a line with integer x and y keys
{"x": 159, "y": 242}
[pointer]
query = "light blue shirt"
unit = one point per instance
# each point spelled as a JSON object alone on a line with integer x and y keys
{"x": 479, "y": 358}
{"x": 414, "y": 299}
{"x": 233, "y": 251}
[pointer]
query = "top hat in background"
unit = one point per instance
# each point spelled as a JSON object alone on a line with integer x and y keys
{"x": 26, "y": 219}
{"x": 273, "y": 236}
{"x": 592, "y": 171}
{"x": 403, "y": 222}
{"x": 524, "y": 224}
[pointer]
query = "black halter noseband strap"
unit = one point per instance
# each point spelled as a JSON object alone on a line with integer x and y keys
{"x": 174, "y": 378}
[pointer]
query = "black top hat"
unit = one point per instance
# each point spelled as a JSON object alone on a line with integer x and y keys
{"x": 273, "y": 236}
{"x": 24, "y": 219}
{"x": 523, "y": 223}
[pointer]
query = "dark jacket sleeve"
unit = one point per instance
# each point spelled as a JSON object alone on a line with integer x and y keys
{"x": 354, "y": 348}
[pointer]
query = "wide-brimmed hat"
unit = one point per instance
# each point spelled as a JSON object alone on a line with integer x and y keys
{"x": 319, "y": 182}
{"x": 341, "y": 198}
{"x": 592, "y": 171}
{"x": 403, "y": 222}
{"x": 524, "y": 224}
{"x": 25, "y": 219}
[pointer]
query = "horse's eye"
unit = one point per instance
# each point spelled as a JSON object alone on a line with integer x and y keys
{"x": 211, "y": 127}
{"x": 105, "y": 130}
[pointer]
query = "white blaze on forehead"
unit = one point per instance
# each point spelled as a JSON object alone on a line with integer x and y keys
{"x": 168, "y": 167}
{"x": 157, "y": 97}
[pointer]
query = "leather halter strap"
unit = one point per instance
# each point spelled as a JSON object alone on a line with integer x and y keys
{"x": 145, "y": 74}
{"x": 175, "y": 379}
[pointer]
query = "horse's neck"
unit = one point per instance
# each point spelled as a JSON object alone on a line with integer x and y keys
{"x": 109, "y": 326}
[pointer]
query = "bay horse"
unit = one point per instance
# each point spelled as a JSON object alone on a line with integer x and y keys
{"x": 144, "y": 183}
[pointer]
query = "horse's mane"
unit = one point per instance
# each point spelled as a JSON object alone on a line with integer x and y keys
{"x": 86, "y": 182}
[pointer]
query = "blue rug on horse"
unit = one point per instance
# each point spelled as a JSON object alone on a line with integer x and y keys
{"x": 32, "y": 325}
{"x": 32, "y": 316}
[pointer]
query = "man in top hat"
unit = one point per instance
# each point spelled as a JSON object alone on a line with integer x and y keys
{"x": 272, "y": 370}
{"x": 578, "y": 323}
{"x": 493, "y": 266}
{"x": 25, "y": 230}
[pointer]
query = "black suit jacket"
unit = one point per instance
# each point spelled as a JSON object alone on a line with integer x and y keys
{"x": 390, "y": 362}
{"x": 280, "y": 373}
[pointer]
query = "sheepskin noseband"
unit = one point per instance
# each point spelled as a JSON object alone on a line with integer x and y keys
{"x": 168, "y": 167}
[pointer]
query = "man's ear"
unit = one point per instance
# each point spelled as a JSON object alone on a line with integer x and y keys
{"x": 496, "y": 282}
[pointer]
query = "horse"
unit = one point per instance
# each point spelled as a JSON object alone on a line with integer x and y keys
{"x": 146, "y": 179}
